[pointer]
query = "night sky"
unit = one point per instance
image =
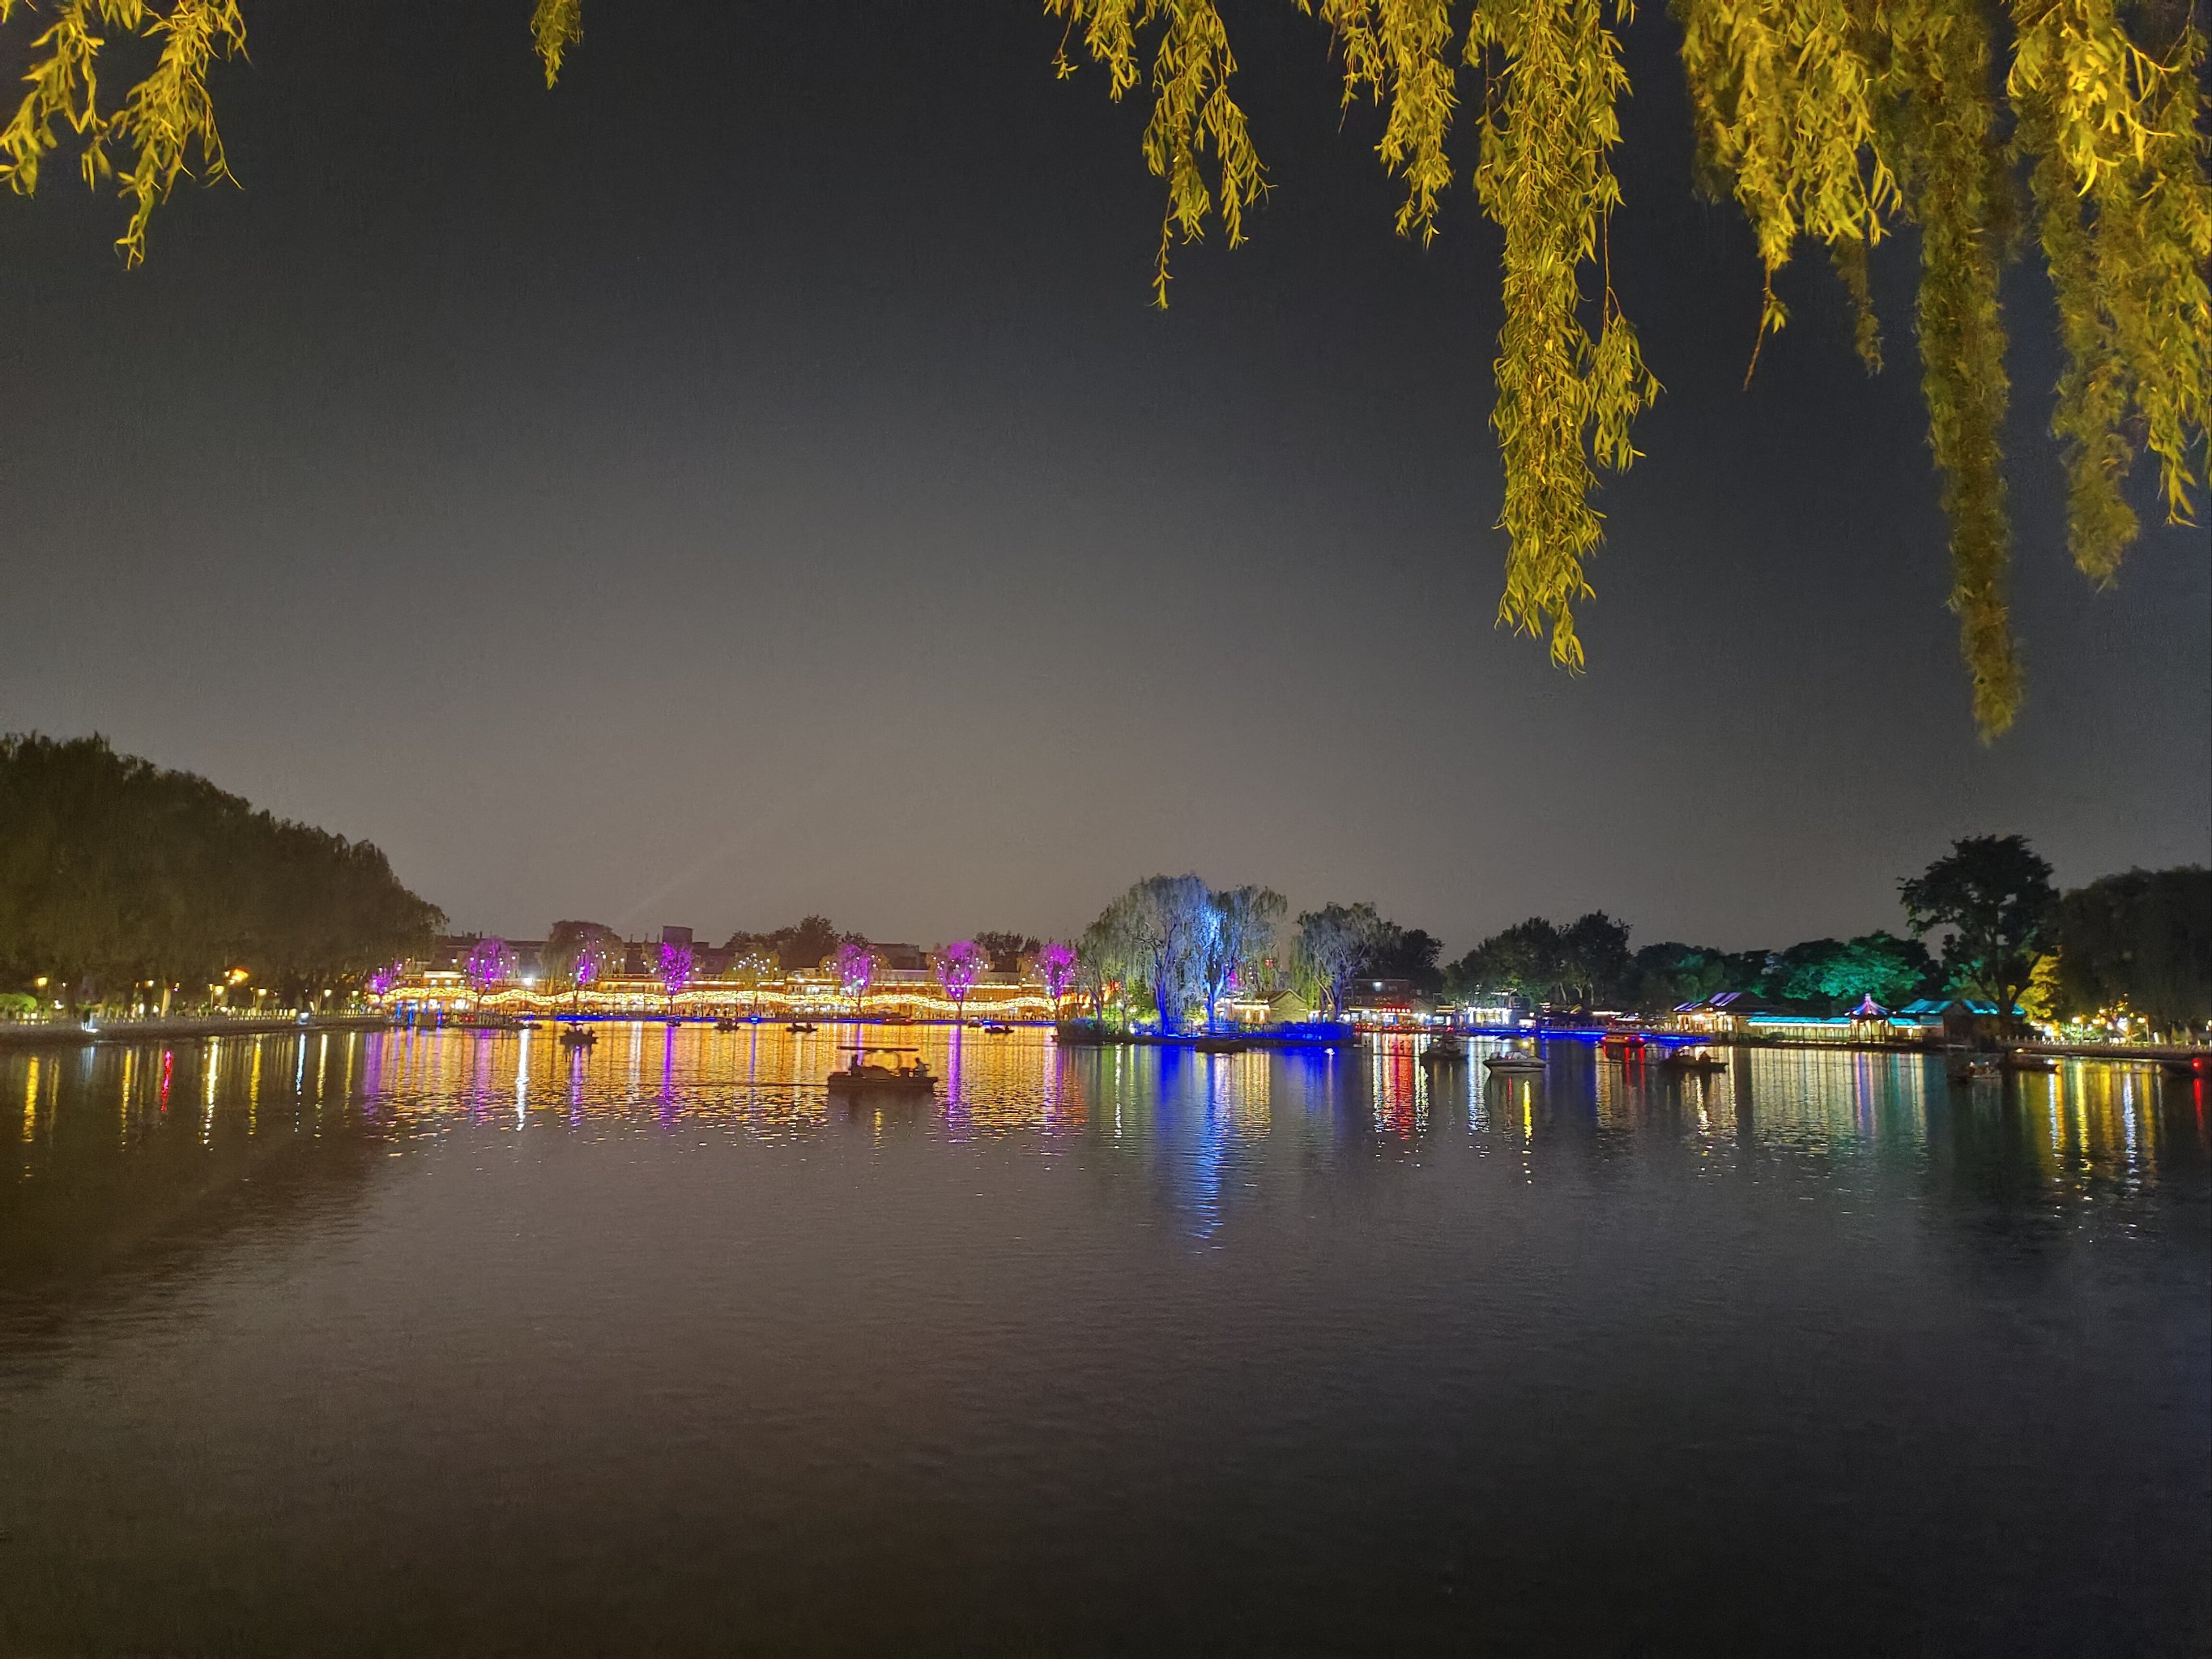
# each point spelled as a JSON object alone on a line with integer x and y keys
{"x": 749, "y": 480}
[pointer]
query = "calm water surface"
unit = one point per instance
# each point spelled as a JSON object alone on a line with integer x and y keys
{"x": 462, "y": 1343}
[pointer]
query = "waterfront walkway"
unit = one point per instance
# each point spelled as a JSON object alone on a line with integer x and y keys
{"x": 60, "y": 1033}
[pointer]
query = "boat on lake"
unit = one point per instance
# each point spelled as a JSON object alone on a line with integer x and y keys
{"x": 997, "y": 1027}
{"x": 1515, "y": 1062}
{"x": 578, "y": 1036}
{"x": 1693, "y": 1060}
{"x": 861, "y": 1077}
{"x": 1446, "y": 1048}
{"x": 729, "y": 1025}
{"x": 800, "y": 1025}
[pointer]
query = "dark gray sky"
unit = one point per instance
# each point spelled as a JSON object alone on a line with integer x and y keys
{"x": 749, "y": 480}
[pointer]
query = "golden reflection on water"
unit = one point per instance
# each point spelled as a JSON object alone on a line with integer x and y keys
{"x": 2087, "y": 1122}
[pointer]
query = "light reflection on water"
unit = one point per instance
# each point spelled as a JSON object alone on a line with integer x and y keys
{"x": 419, "y": 1332}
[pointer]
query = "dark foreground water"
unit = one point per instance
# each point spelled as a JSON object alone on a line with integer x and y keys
{"x": 455, "y": 1343}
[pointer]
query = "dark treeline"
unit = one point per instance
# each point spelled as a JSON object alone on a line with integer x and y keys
{"x": 2141, "y": 938}
{"x": 810, "y": 940}
{"x": 2140, "y": 941}
{"x": 803, "y": 944}
{"x": 115, "y": 873}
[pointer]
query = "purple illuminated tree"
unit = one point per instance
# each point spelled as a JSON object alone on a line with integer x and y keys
{"x": 855, "y": 966}
{"x": 381, "y": 981}
{"x": 489, "y": 964}
{"x": 676, "y": 962}
{"x": 958, "y": 966}
{"x": 1055, "y": 966}
{"x": 593, "y": 961}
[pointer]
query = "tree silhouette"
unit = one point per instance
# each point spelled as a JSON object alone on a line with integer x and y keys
{"x": 1992, "y": 898}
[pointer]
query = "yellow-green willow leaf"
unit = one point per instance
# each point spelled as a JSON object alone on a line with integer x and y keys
{"x": 1543, "y": 177}
{"x": 64, "y": 89}
{"x": 1109, "y": 34}
{"x": 169, "y": 112}
{"x": 2098, "y": 88}
{"x": 1944, "y": 116}
{"x": 1397, "y": 49}
{"x": 1192, "y": 110}
{"x": 2093, "y": 390}
{"x": 554, "y": 27}
{"x": 1852, "y": 264}
{"x": 1786, "y": 103}
{"x": 2125, "y": 214}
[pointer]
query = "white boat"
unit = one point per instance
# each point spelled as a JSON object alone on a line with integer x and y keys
{"x": 1515, "y": 1063}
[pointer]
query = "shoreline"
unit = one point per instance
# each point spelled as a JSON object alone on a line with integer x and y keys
{"x": 57, "y": 1035}
{"x": 164, "y": 1030}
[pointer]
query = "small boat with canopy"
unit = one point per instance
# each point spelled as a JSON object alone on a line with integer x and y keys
{"x": 863, "y": 1077}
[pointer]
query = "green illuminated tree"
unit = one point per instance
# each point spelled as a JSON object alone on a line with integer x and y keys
{"x": 1889, "y": 969}
{"x": 1833, "y": 122}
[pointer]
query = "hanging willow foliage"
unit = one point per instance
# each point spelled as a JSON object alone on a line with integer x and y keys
{"x": 1544, "y": 179}
{"x": 1788, "y": 108}
{"x": 555, "y": 26}
{"x": 1941, "y": 117}
{"x": 2125, "y": 216}
{"x": 1831, "y": 120}
{"x": 162, "y": 119}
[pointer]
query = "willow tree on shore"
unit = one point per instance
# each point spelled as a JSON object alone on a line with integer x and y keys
{"x": 1149, "y": 937}
{"x": 1333, "y": 946}
{"x": 1234, "y": 933}
{"x": 1832, "y": 122}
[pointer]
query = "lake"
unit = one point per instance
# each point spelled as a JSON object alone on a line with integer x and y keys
{"x": 461, "y": 1342}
